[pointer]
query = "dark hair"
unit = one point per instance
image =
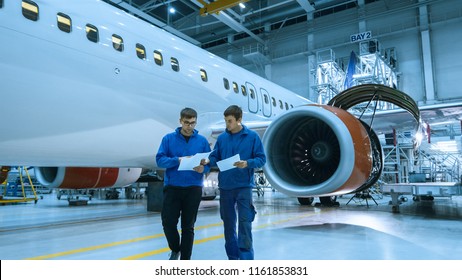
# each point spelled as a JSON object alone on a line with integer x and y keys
{"x": 234, "y": 111}
{"x": 188, "y": 113}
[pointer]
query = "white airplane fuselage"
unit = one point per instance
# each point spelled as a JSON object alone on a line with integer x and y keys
{"x": 68, "y": 101}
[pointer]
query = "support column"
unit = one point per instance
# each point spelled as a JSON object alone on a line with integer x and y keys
{"x": 312, "y": 65}
{"x": 267, "y": 67}
{"x": 230, "y": 53}
{"x": 361, "y": 16}
{"x": 429, "y": 86}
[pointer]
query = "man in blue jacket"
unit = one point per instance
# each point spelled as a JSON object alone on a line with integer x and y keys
{"x": 236, "y": 184}
{"x": 182, "y": 189}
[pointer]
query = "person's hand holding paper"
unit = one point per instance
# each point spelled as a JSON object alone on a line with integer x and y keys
{"x": 189, "y": 163}
{"x": 228, "y": 163}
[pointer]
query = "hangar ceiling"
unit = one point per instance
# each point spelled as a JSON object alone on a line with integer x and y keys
{"x": 209, "y": 30}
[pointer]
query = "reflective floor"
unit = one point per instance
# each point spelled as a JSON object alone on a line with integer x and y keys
{"x": 283, "y": 230}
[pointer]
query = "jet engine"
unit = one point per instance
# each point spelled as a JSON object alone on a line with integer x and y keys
{"x": 320, "y": 150}
{"x": 86, "y": 177}
{"x": 323, "y": 150}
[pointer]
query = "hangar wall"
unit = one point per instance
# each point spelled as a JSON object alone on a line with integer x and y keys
{"x": 447, "y": 46}
{"x": 394, "y": 24}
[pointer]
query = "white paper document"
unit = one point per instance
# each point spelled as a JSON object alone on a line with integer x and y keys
{"x": 228, "y": 163}
{"x": 188, "y": 163}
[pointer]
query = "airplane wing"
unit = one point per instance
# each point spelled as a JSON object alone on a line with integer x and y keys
{"x": 400, "y": 119}
{"x": 441, "y": 113}
{"x": 258, "y": 126}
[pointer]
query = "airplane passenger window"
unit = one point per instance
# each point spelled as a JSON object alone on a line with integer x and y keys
{"x": 175, "y": 64}
{"x": 287, "y": 106}
{"x": 265, "y": 97}
{"x": 158, "y": 58}
{"x": 226, "y": 83}
{"x": 235, "y": 88}
{"x": 92, "y": 33}
{"x": 204, "y": 75}
{"x": 244, "y": 91}
{"x": 252, "y": 94}
{"x": 273, "y": 101}
{"x": 64, "y": 22}
{"x": 291, "y": 106}
{"x": 30, "y": 10}
{"x": 280, "y": 104}
{"x": 117, "y": 43}
{"x": 140, "y": 51}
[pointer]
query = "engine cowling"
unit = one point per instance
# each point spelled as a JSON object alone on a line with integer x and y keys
{"x": 320, "y": 150}
{"x": 86, "y": 177}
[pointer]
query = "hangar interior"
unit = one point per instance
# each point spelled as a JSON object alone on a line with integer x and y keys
{"x": 412, "y": 45}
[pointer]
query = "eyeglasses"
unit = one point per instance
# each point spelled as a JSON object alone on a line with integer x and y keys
{"x": 189, "y": 123}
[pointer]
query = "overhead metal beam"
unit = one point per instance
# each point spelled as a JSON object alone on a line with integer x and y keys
{"x": 306, "y": 5}
{"x": 217, "y": 6}
{"x": 226, "y": 19}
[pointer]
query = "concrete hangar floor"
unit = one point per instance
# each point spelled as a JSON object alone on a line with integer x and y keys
{"x": 283, "y": 230}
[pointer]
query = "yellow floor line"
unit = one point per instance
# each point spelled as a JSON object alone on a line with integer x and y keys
{"x": 112, "y": 244}
{"x": 97, "y": 247}
{"x": 159, "y": 251}
{"x": 220, "y": 236}
{"x": 166, "y": 249}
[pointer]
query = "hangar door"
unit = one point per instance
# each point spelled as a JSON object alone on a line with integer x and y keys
{"x": 253, "y": 97}
{"x": 265, "y": 103}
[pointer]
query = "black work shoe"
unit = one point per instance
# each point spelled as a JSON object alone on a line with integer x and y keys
{"x": 174, "y": 256}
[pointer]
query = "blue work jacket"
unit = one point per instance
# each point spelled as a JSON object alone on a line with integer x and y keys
{"x": 174, "y": 146}
{"x": 248, "y": 145}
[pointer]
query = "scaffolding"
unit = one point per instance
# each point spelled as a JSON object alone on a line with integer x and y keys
{"x": 399, "y": 155}
{"x": 404, "y": 163}
{"x": 438, "y": 166}
{"x": 329, "y": 76}
{"x": 372, "y": 66}
{"x": 376, "y": 66}
{"x": 19, "y": 190}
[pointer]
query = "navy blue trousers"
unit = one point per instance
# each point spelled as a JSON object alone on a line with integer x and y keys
{"x": 236, "y": 208}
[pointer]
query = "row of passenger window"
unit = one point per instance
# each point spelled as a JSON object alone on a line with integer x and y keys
{"x": 30, "y": 10}
{"x": 253, "y": 96}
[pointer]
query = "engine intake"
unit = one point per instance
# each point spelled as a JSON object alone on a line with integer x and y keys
{"x": 320, "y": 150}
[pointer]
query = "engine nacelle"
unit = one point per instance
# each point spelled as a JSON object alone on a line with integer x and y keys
{"x": 320, "y": 150}
{"x": 86, "y": 177}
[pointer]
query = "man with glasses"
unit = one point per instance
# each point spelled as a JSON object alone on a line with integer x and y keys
{"x": 182, "y": 189}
